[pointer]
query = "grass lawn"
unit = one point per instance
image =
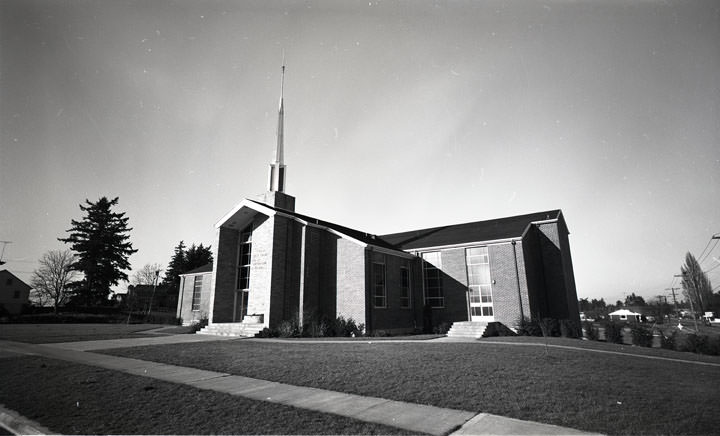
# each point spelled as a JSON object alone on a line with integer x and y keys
{"x": 604, "y": 393}
{"x": 70, "y": 398}
{"x": 50, "y": 333}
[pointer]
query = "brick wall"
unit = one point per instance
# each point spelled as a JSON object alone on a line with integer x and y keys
{"x": 506, "y": 298}
{"x": 393, "y": 318}
{"x": 185, "y": 296}
{"x": 285, "y": 281}
{"x": 224, "y": 268}
{"x": 351, "y": 287}
{"x": 455, "y": 287}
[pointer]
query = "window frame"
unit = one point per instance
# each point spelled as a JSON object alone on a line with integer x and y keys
{"x": 197, "y": 291}
{"x": 379, "y": 285}
{"x": 430, "y": 267}
{"x": 405, "y": 288}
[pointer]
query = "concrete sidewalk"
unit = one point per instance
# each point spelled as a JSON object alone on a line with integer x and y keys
{"x": 408, "y": 416}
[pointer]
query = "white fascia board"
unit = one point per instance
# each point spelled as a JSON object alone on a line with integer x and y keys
{"x": 467, "y": 244}
{"x": 245, "y": 203}
{"x": 195, "y": 274}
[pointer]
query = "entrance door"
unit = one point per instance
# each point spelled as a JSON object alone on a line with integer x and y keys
{"x": 479, "y": 284}
{"x": 240, "y": 305}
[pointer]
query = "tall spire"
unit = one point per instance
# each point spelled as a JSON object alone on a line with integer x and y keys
{"x": 276, "y": 181}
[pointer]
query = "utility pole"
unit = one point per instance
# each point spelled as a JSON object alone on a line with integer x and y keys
{"x": 674, "y": 299}
{"x": 157, "y": 274}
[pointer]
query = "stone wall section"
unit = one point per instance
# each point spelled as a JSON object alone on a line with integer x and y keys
{"x": 260, "y": 268}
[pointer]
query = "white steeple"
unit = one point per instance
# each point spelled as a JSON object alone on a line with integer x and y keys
{"x": 276, "y": 179}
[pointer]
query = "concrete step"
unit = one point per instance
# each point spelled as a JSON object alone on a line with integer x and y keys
{"x": 240, "y": 329}
{"x": 467, "y": 329}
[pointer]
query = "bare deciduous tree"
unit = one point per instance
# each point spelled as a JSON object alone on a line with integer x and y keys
{"x": 146, "y": 275}
{"x": 51, "y": 279}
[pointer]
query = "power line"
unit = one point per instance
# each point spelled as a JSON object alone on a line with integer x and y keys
{"x": 703, "y": 252}
{"x": 702, "y": 259}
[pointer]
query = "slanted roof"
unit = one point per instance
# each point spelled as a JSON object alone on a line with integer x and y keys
{"x": 478, "y": 231}
{"x": 199, "y": 270}
{"x": 358, "y": 235}
{"x": 16, "y": 279}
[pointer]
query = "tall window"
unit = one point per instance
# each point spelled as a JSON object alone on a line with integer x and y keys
{"x": 432, "y": 277}
{"x": 404, "y": 287}
{"x": 379, "y": 290}
{"x": 244, "y": 255}
{"x": 197, "y": 288}
{"x": 479, "y": 282}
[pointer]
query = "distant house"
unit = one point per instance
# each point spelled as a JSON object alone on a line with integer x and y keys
{"x": 625, "y": 315}
{"x": 14, "y": 293}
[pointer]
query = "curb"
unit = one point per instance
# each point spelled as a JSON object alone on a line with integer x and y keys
{"x": 18, "y": 424}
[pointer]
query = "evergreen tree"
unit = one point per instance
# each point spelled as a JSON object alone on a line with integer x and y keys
{"x": 176, "y": 266}
{"x": 102, "y": 244}
{"x": 184, "y": 260}
{"x": 197, "y": 256}
{"x": 695, "y": 283}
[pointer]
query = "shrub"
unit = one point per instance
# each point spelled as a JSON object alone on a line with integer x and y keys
{"x": 289, "y": 328}
{"x": 641, "y": 335}
{"x": 613, "y": 332}
{"x": 442, "y": 328}
{"x": 549, "y": 327}
{"x": 668, "y": 342}
{"x": 570, "y": 329}
{"x": 497, "y": 329}
{"x": 591, "y": 332}
{"x": 529, "y": 328}
{"x": 267, "y": 333}
{"x": 201, "y": 324}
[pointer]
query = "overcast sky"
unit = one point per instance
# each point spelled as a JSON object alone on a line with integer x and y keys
{"x": 399, "y": 115}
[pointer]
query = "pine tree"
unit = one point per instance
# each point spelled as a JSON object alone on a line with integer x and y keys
{"x": 197, "y": 256}
{"x": 176, "y": 266}
{"x": 102, "y": 244}
{"x": 184, "y": 260}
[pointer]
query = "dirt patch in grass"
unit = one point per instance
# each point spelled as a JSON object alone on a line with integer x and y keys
{"x": 590, "y": 391}
{"x": 76, "y": 399}
{"x": 52, "y": 333}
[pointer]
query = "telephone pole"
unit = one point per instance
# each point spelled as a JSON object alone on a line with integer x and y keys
{"x": 674, "y": 299}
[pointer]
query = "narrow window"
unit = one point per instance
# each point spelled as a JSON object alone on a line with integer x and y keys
{"x": 197, "y": 288}
{"x": 404, "y": 287}
{"x": 244, "y": 256}
{"x": 379, "y": 294}
{"x": 432, "y": 278}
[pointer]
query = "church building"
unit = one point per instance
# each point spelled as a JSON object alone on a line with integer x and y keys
{"x": 274, "y": 264}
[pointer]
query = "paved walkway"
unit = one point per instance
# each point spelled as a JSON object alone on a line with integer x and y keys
{"x": 408, "y": 416}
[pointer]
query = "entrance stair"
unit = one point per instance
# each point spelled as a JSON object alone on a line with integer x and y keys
{"x": 467, "y": 329}
{"x": 239, "y": 329}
